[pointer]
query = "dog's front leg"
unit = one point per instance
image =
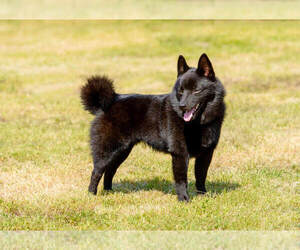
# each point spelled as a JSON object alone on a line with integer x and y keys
{"x": 180, "y": 167}
{"x": 201, "y": 167}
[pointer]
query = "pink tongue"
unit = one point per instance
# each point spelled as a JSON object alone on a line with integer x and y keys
{"x": 188, "y": 115}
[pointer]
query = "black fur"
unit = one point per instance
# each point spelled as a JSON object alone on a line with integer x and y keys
{"x": 98, "y": 93}
{"x": 184, "y": 123}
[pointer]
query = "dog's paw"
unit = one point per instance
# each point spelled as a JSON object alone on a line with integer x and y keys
{"x": 92, "y": 191}
{"x": 107, "y": 188}
{"x": 201, "y": 192}
{"x": 182, "y": 192}
{"x": 183, "y": 197}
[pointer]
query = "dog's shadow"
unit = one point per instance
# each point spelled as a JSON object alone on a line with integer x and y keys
{"x": 167, "y": 187}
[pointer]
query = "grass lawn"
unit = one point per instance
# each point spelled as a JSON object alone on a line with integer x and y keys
{"x": 45, "y": 161}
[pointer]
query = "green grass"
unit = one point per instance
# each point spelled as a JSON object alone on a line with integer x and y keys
{"x": 45, "y": 162}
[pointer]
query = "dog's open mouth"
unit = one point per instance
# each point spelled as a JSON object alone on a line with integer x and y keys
{"x": 188, "y": 115}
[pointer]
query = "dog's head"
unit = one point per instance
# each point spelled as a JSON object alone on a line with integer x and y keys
{"x": 194, "y": 88}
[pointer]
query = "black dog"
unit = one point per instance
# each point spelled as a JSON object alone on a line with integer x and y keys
{"x": 185, "y": 123}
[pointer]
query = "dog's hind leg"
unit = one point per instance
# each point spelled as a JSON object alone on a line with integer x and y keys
{"x": 201, "y": 167}
{"x": 112, "y": 169}
{"x": 102, "y": 161}
{"x": 108, "y": 161}
{"x": 99, "y": 168}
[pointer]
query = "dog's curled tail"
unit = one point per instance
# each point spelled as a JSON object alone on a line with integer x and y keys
{"x": 97, "y": 93}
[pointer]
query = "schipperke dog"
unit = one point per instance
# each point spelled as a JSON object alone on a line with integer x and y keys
{"x": 184, "y": 123}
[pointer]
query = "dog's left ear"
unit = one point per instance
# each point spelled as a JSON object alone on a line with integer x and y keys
{"x": 205, "y": 68}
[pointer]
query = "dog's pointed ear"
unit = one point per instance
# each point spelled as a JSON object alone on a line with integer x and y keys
{"x": 205, "y": 67}
{"x": 182, "y": 66}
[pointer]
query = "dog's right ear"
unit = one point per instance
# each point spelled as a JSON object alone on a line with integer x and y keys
{"x": 205, "y": 67}
{"x": 182, "y": 66}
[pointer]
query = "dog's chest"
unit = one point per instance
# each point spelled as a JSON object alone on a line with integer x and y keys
{"x": 193, "y": 136}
